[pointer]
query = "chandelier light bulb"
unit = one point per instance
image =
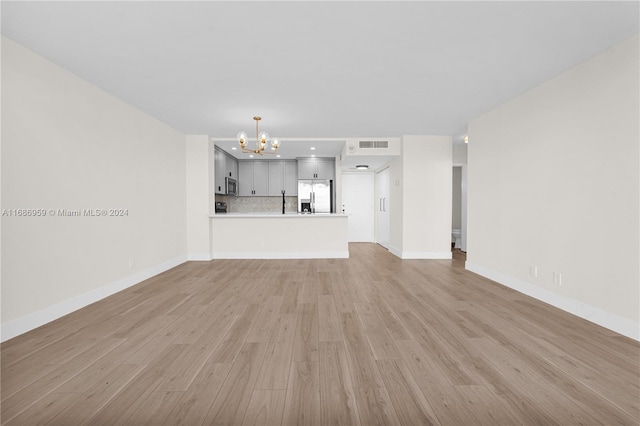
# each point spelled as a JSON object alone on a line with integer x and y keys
{"x": 242, "y": 137}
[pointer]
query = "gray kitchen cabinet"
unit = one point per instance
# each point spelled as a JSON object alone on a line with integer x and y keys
{"x": 291, "y": 178}
{"x": 253, "y": 178}
{"x": 316, "y": 168}
{"x": 231, "y": 167}
{"x": 283, "y": 176}
{"x": 219, "y": 164}
{"x": 225, "y": 166}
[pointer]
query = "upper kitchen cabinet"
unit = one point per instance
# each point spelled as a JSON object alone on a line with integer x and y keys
{"x": 283, "y": 176}
{"x": 219, "y": 164}
{"x": 231, "y": 167}
{"x": 253, "y": 178}
{"x": 316, "y": 168}
{"x": 291, "y": 178}
{"x": 225, "y": 166}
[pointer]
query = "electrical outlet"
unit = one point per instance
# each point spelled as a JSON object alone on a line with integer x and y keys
{"x": 533, "y": 271}
{"x": 557, "y": 278}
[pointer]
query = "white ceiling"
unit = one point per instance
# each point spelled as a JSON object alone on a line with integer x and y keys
{"x": 297, "y": 148}
{"x": 293, "y": 148}
{"x": 318, "y": 70}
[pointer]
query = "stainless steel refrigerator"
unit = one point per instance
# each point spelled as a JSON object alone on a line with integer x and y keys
{"x": 315, "y": 196}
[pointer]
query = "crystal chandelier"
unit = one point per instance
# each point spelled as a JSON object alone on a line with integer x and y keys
{"x": 261, "y": 141}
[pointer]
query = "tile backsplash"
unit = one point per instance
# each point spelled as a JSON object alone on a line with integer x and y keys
{"x": 259, "y": 204}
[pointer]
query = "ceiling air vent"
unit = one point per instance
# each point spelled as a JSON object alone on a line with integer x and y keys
{"x": 373, "y": 144}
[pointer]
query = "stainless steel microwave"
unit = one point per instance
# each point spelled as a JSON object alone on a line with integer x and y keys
{"x": 231, "y": 185}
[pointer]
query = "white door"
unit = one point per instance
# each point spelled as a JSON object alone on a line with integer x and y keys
{"x": 383, "y": 222}
{"x": 357, "y": 201}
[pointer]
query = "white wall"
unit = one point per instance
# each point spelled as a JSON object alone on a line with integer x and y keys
{"x": 459, "y": 154}
{"x": 337, "y": 185}
{"x": 396, "y": 206}
{"x": 68, "y": 145}
{"x": 460, "y": 160}
{"x": 421, "y": 198}
{"x": 553, "y": 182}
{"x": 200, "y": 190}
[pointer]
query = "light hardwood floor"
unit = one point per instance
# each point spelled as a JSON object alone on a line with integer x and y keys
{"x": 370, "y": 340}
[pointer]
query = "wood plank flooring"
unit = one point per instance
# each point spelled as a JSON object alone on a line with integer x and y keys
{"x": 370, "y": 340}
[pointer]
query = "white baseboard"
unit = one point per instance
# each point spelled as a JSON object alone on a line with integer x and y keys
{"x": 281, "y": 255}
{"x": 199, "y": 256}
{"x": 394, "y": 251}
{"x": 433, "y": 255}
{"x": 29, "y": 322}
{"x": 613, "y": 322}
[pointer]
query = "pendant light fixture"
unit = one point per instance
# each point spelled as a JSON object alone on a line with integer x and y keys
{"x": 262, "y": 138}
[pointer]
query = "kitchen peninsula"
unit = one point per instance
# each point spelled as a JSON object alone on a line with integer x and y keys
{"x": 279, "y": 236}
{"x": 252, "y": 196}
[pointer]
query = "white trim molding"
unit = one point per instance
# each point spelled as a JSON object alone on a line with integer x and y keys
{"x": 432, "y": 255}
{"x": 199, "y": 257}
{"x": 32, "y": 321}
{"x": 613, "y": 322}
{"x": 394, "y": 251}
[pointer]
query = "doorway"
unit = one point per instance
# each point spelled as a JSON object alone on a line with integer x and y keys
{"x": 357, "y": 202}
{"x": 459, "y": 208}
